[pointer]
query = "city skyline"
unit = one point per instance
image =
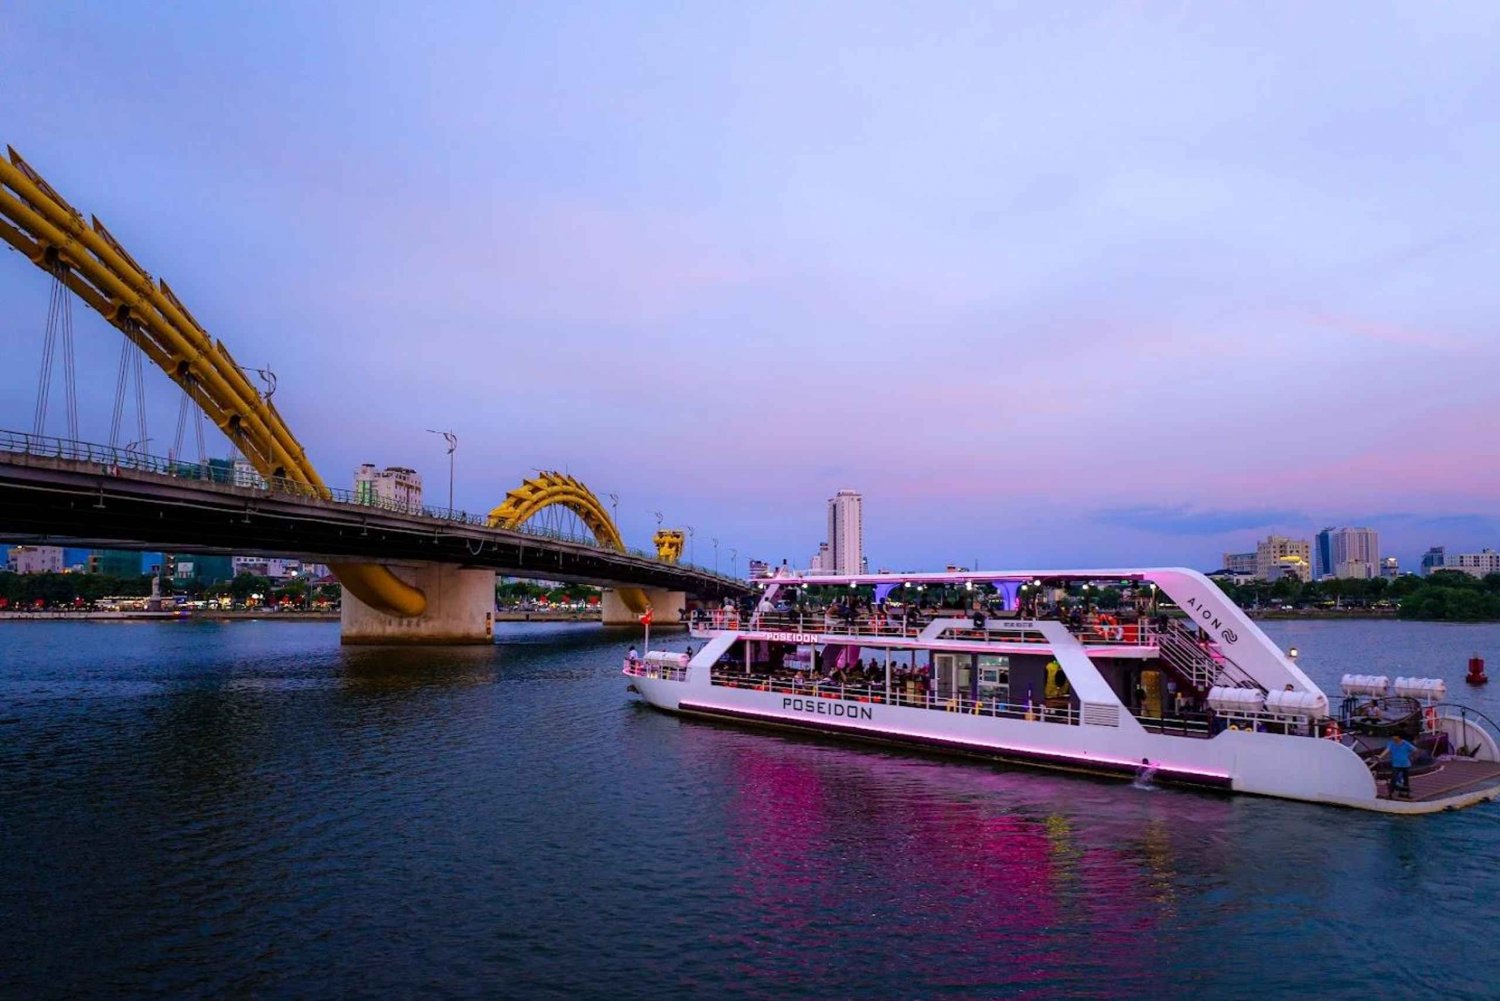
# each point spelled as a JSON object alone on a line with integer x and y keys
{"x": 1085, "y": 308}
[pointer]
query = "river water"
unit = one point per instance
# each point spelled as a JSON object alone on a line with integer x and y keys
{"x": 246, "y": 809}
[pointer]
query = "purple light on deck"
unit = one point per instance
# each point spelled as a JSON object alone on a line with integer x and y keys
{"x": 1008, "y": 590}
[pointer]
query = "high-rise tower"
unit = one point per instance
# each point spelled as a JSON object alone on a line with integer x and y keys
{"x": 846, "y": 533}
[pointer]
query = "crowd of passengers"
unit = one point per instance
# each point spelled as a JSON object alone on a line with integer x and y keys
{"x": 861, "y": 674}
{"x": 860, "y": 614}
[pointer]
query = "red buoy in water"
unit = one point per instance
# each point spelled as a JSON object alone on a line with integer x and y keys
{"x": 1476, "y": 675}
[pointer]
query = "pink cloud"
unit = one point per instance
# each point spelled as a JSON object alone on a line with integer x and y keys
{"x": 1388, "y": 334}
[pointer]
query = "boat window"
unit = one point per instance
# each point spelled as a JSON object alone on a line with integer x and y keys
{"x": 994, "y": 677}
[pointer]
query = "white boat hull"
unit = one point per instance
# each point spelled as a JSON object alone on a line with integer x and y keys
{"x": 1285, "y": 766}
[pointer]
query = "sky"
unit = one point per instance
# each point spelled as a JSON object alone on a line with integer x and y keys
{"x": 1051, "y": 284}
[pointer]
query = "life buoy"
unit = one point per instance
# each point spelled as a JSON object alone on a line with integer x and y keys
{"x": 1429, "y": 717}
{"x": 1115, "y": 633}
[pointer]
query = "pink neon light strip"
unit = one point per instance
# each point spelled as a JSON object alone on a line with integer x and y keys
{"x": 1047, "y": 753}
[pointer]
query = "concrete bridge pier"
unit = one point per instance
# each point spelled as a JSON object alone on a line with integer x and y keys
{"x": 460, "y": 610}
{"x": 666, "y": 608}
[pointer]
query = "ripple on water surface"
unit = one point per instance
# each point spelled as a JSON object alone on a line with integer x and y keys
{"x": 249, "y": 809}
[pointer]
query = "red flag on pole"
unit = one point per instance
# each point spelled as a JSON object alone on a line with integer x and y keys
{"x": 646, "y": 617}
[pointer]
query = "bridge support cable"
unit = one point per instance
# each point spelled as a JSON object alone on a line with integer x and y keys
{"x": 59, "y": 328}
{"x": 129, "y": 376}
{"x": 86, "y": 257}
{"x": 187, "y": 410}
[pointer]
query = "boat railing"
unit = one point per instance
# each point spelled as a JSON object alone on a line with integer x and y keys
{"x": 987, "y": 629}
{"x": 871, "y": 626}
{"x": 1202, "y": 662}
{"x": 1279, "y": 723}
{"x": 666, "y": 672}
{"x": 1140, "y": 633}
{"x": 901, "y": 696}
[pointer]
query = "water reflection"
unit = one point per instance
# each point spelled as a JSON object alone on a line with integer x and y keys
{"x": 395, "y": 669}
{"x": 982, "y": 879}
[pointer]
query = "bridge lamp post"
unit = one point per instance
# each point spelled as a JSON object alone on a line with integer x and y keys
{"x": 137, "y": 447}
{"x": 690, "y": 542}
{"x": 734, "y": 563}
{"x": 614, "y": 508}
{"x": 716, "y": 555}
{"x": 452, "y": 440}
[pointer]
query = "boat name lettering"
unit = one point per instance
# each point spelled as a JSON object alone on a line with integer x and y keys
{"x": 824, "y": 707}
{"x": 1210, "y": 619}
{"x": 792, "y": 637}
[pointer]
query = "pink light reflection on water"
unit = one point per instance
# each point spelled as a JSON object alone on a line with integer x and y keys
{"x": 995, "y": 879}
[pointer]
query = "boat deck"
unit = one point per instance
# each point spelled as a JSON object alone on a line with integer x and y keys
{"x": 1454, "y": 778}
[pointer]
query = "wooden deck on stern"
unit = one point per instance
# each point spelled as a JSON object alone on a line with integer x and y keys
{"x": 1454, "y": 778}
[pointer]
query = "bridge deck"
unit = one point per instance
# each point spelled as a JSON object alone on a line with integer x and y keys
{"x": 61, "y": 501}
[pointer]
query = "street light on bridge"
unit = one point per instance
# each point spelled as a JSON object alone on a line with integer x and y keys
{"x": 716, "y": 555}
{"x": 734, "y": 562}
{"x": 690, "y": 543}
{"x": 452, "y": 440}
{"x": 614, "y": 508}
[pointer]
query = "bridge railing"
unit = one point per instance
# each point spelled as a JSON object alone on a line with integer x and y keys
{"x": 112, "y": 460}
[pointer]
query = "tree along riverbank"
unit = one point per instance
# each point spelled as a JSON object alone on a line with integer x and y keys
{"x": 1443, "y": 596}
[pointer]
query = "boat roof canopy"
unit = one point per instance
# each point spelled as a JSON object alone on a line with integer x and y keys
{"x": 960, "y": 577}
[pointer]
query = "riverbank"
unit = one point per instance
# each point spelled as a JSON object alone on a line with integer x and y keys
{"x": 1334, "y": 614}
{"x": 175, "y": 615}
{"x": 228, "y": 615}
{"x": 516, "y": 615}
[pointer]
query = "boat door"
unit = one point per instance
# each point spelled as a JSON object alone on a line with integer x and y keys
{"x": 1151, "y": 682}
{"x": 952, "y": 674}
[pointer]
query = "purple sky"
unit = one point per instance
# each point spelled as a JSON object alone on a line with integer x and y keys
{"x": 1049, "y": 283}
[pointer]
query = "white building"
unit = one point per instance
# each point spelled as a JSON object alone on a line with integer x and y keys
{"x": 1479, "y": 564}
{"x": 1356, "y": 545}
{"x": 822, "y": 560}
{"x": 245, "y": 475}
{"x": 846, "y": 532}
{"x": 394, "y": 488}
{"x": 1240, "y": 565}
{"x": 1277, "y": 556}
{"x": 36, "y": 559}
{"x": 262, "y": 566}
{"x": 1390, "y": 568}
{"x": 1355, "y": 570}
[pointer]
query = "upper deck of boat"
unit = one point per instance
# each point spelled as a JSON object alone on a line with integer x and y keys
{"x": 1122, "y": 636}
{"x": 889, "y": 608}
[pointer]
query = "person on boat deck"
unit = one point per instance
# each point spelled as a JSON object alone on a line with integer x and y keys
{"x": 1399, "y": 750}
{"x": 632, "y": 656}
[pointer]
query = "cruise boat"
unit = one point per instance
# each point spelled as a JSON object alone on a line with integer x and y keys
{"x": 1175, "y": 685}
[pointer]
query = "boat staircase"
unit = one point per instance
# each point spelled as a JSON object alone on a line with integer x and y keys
{"x": 1203, "y": 666}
